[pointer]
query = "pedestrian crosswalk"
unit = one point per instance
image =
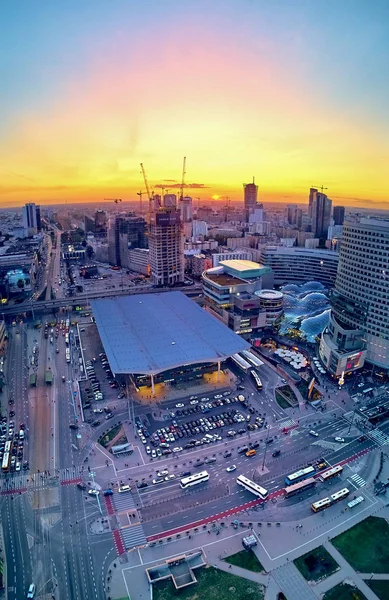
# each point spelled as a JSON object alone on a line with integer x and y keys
{"x": 123, "y": 501}
{"x": 133, "y": 536}
{"x": 357, "y": 480}
{"x": 288, "y": 424}
{"x": 379, "y": 437}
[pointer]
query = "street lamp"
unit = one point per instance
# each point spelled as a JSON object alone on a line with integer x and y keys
{"x": 98, "y": 495}
{"x": 266, "y": 445}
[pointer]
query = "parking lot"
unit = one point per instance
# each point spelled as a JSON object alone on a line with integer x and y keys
{"x": 99, "y": 389}
{"x": 201, "y": 421}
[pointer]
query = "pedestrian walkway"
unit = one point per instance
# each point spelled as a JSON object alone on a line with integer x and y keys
{"x": 379, "y": 437}
{"x": 133, "y": 536}
{"x": 123, "y": 501}
{"x": 357, "y": 480}
{"x": 292, "y": 583}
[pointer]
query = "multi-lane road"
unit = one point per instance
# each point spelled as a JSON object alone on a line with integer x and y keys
{"x": 47, "y": 518}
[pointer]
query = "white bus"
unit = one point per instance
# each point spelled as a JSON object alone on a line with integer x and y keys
{"x": 194, "y": 479}
{"x": 333, "y": 472}
{"x": 241, "y": 362}
{"x": 252, "y": 487}
{"x": 67, "y": 355}
{"x": 339, "y": 495}
{"x": 251, "y": 358}
{"x": 257, "y": 380}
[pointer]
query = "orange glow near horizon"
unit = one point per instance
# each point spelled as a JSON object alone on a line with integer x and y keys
{"x": 230, "y": 112}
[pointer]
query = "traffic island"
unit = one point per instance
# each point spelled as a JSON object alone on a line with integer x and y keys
{"x": 316, "y": 565}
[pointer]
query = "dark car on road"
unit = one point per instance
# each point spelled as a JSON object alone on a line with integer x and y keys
{"x": 81, "y": 486}
{"x": 276, "y": 453}
{"x": 73, "y": 426}
{"x": 141, "y": 484}
{"x": 95, "y": 423}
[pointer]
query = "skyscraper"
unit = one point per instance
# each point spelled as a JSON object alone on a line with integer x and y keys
{"x": 100, "y": 223}
{"x": 360, "y": 302}
{"x": 338, "y": 215}
{"x": 320, "y": 214}
{"x": 31, "y": 216}
{"x": 250, "y": 198}
{"x": 312, "y": 193}
{"x": 125, "y": 231}
{"x": 166, "y": 244}
{"x": 291, "y": 213}
{"x": 186, "y": 209}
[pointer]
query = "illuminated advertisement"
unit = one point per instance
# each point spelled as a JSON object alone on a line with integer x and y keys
{"x": 353, "y": 361}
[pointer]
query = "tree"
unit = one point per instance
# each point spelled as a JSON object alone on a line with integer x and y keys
{"x": 20, "y": 284}
{"x": 89, "y": 252}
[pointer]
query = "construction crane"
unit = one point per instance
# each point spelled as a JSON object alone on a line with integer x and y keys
{"x": 140, "y": 194}
{"x": 183, "y": 180}
{"x": 320, "y": 187}
{"x": 150, "y": 195}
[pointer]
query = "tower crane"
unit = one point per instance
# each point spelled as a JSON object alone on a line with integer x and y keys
{"x": 140, "y": 194}
{"x": 150, "y": 195}
{"x": 183, "y": 180}
{"x": 320, "y": 187}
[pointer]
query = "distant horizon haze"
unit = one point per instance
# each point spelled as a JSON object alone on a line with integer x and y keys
{"x": 293, "y": 93}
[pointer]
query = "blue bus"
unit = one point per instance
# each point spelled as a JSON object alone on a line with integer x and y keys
{"x": 300, "y": 475}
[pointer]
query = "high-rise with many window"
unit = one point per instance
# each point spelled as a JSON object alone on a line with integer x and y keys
{"x": 338, "y": 215}
{"x": 166, "y": 244}
{"x": 320, "y": 214}
{"x": 360, "y": 302}
{"x": 250, "y": 198}
{"x": 31, "y": 215}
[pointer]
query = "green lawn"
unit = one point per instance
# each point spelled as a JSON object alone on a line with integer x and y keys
{"x": 246, "y": 560}
{"x": 380, "y": 588}
{"x": 281, "y": 401}
{"x": 366, "y": 546}
{"x": 316, "y": 565}
{"x": 212, "y": 584}
{"x": 344, "y": 591}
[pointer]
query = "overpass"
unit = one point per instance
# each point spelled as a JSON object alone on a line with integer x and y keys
{"x": 35, "y": 307}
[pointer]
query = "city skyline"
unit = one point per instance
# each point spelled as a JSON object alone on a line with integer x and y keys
{"x": 294, "y": 94}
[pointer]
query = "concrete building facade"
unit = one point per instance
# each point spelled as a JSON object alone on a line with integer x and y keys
{"x": 166, "y": 244}
{"x": 360, "y": 301}
{"x": 300, "y": 265}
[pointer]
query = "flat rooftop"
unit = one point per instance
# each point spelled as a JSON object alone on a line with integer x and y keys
{"x": 224, "y": 279}
{"x": 151, "y": 333}
{"x": 239, "y": 264}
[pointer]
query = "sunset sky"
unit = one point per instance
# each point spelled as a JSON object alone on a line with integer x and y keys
{"x": 294, "y": 92}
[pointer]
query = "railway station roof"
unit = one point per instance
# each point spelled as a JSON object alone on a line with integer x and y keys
{"x": 151, "y": 333}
